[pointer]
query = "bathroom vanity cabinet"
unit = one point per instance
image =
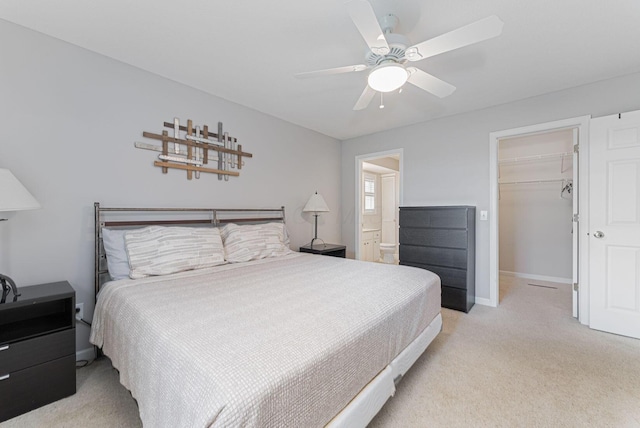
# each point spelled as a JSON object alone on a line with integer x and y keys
{"x": 370, "y": 245}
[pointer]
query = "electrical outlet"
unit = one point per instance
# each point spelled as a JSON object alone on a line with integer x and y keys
{"x": 79, "y": 311}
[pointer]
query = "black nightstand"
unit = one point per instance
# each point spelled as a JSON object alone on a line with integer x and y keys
{"x": 37, "y": 348}
{"x": 326, "y": 250}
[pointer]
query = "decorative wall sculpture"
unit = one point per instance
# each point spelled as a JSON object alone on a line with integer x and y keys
{"x": 199, "y": 147}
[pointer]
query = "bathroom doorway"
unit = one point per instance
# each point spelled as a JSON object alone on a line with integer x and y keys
{"x": 378, "y": 197}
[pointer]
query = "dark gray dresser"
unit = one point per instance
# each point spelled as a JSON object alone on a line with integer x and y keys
{"x": 442, "y": 240}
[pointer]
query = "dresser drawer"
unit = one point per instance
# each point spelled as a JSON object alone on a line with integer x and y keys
{"x": 447, "y": 257}
{"x": 446, "y": 238}
{"x": 20, "y": 355}
{"x": 36, "y": 386}
{"x": 433, "y": 217}
{"x": 456, "y": 278}
{"x": 454, "y": 298}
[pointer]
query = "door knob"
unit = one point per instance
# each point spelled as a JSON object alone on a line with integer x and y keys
{"x": 599, "y": 234}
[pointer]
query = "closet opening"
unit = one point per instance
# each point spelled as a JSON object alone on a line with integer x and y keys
{"x": 537, "y": 200}
{"x": 378, "y": 196}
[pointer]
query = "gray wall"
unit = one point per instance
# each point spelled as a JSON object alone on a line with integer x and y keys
{"x": 70, "y": 118}
{"x": 446, "y": 161}
{"x": 535, "y": 222}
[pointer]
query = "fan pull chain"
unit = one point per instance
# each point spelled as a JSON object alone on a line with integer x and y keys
{"x": 381, "y": 100}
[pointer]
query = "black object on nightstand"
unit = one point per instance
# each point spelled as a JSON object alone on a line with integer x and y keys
{"x": 326, "y": 250}
{"x": 37, "y": 348}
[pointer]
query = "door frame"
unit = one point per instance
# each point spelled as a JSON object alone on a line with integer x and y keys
{"x": 363, "y": 158}
{"x": 582, "y": 124}
{"x": 396, "y": 204}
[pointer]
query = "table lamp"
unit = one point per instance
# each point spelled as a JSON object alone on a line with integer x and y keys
{"x": 316, "y": 204}
{"x": 13, "y": 197}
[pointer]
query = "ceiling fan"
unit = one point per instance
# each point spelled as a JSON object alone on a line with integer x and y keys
{"x": 390, "y": 53}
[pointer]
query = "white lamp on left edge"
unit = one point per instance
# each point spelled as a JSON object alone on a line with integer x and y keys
{"x": 13, "y": 197}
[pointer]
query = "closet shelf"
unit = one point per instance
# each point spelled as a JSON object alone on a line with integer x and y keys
{"x": 535, "y": 157}
{"x": 535, "y": 181}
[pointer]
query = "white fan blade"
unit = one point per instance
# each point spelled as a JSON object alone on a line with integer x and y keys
{"x": 469, "y": 34}
{"x": 365, "y": 19}
{"x": 365, "y": 98}
{"x": 429, "y": 83}
{"x": 328, "y": 71}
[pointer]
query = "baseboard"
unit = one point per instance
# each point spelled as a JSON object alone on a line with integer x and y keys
{"x": 87, "y": 354}
{"x": 484, "y": 302}
{"x": 537, "y": 277}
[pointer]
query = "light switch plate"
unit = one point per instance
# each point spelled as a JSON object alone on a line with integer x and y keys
{"x": 484, "y": 215}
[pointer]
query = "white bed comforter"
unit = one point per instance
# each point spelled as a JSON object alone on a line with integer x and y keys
{"x": 283, "y": 342}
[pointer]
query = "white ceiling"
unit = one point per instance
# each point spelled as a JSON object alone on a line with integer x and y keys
{"x": 248, "y": 51}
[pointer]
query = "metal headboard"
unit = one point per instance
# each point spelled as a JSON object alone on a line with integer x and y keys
{"x": 195, "y": 217}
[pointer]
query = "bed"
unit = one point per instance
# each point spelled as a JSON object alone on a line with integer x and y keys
{"x": 288, "y": 340}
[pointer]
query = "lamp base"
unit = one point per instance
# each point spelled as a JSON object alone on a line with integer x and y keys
{"x": 8, "y": 286}
{"x": 317, "y": 239}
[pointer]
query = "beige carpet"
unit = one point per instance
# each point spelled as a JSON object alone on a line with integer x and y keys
{"x": 526, "y": 363}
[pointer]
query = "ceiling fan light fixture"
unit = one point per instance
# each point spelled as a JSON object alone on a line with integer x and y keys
{"x": 388, "y": 77}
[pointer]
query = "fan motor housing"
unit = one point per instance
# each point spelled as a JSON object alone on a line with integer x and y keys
{"x": 397, "y": 46}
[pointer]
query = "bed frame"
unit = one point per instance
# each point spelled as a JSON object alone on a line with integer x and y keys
{"x": 123, "y": 218}
{"x": 361, "y": 410}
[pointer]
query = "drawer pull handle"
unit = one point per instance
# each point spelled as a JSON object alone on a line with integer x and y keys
{"x": 4, "y": 348}
{"x": 4, "y": 377}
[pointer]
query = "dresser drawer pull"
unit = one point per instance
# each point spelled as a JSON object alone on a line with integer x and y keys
{"x": 4, "y": 377}
{"x": 4, "y": 348}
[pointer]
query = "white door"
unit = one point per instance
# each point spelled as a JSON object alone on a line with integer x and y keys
{"x": 389, "y": 209}
{"x": 614, "y": 225}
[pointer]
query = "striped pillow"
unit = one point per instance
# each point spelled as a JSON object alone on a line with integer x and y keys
{"x": 253, "y": 242}
{"x": 157, "y": 250}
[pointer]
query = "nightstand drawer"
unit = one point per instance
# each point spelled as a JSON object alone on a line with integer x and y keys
{"x": 326, "y": 250}
{"x": 36, "y": 386}
{"x": 336, "y": 253}
{"x": 20, "y": 355}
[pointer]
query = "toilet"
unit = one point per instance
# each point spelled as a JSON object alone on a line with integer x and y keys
{"x": 387, "y": 253}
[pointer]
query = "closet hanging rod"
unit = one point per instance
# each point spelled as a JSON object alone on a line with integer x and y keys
{"x": 543, "y": 180}
{"x": 535, "y": 157}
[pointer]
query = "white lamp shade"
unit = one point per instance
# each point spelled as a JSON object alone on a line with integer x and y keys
{"x": 13, "y": 195}
{"x": 387, "y": 77}
{"x": 316, "y": 204}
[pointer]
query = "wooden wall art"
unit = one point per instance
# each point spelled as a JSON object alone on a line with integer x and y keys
{"x": 194, "y": 150}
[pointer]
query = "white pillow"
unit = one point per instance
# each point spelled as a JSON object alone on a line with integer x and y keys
{"x": 117, "y": 261}
{"x": 157, "y": 250}
{"x": 253, "y": 242}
